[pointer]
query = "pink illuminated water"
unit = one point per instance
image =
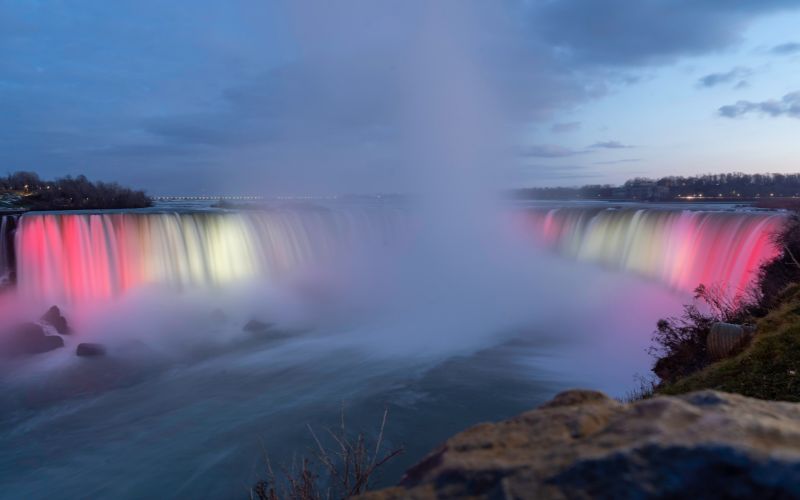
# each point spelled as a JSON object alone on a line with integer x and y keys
{"x": 680, "y": 248}
{"x": 80, "y": 256}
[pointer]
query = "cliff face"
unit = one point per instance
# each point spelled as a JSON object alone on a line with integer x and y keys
{"x": 583, "y": 444}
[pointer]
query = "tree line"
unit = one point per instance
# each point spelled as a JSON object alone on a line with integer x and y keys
{"x": 728, "y": 185}
{"x": 69, "y": 193}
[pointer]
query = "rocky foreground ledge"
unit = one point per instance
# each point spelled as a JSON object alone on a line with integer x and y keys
{"x": 583, "y": 444}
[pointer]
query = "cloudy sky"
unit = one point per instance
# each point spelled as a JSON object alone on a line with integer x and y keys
{"x": 262, "y": 96}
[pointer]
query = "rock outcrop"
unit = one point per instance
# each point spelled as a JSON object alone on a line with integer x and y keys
{"x": 54, "y": 318}
{"x": 30, "y": 338}
{"x": 88, "y": 349}
{"x": 583, "y": 444}
{"x": 257, "y": 327}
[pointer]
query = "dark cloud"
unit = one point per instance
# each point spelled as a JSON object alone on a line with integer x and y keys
{"x": 197, "y": 129}
{"x": 786, "y": 49}
{"x": 276, "y": 92}
{"x": 789, "y": 106}
{"x": 624, "y": 32}
{"x": 610, "y": 145}
{"x": 714, "y": 79}
{"x": 549, "y": 151}
{"x": 560, "y": 128}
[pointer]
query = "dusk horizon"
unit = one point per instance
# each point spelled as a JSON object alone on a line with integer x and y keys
{"x": 425, "y": 249}
{"x": 166, "y": 98}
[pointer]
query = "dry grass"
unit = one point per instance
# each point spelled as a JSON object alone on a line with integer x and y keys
{"x": 347, "y": 466}
{"x": 646, "y": 389}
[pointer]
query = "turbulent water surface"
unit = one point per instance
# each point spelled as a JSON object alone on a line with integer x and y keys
{"x": 368, "y": 308}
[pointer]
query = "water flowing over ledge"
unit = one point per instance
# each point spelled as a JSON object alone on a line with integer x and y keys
{"x": 85, "y": 256}
{"x": 680, "y": 248}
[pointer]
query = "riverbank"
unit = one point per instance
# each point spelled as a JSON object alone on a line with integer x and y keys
{"x": 768, "y": 368}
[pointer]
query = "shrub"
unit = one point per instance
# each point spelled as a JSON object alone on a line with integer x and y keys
{"x": 680, "y": 342}
{"x": 348, "y": 464}
{"x": 645, "y": 390}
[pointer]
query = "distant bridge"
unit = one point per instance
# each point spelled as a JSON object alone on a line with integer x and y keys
{"x": 209, "y": 197}
{"x": 251, "y": 198}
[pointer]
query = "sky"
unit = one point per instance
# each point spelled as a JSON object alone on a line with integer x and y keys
{"x": 312, "y": 97}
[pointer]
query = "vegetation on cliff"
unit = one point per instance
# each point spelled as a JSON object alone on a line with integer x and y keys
{"x": 768, "y": 368}
{"x": 27, "y": 191}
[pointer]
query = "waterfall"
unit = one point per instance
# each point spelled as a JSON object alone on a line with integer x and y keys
{"x": 85, "y": 256}
{"x": 78, "y": 256}
{"x": 681, "y": 248}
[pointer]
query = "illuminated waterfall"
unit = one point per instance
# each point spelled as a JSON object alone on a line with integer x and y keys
{"x": 85, "y": 256}
{"x": 76, "y": 256}
{"x": 678, "y": 247}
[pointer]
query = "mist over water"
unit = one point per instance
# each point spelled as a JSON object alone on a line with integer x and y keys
{"x": 439, "y": 306}
{"x": 187, "y": 398}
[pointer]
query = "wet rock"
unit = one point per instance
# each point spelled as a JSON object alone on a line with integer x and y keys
{"x": 256, "y": 326}
{"x": 29, "y": 338}
{"x": 54, "y": 318}
{"x": 585, "y": 445}
{"x": 88, "y": 349}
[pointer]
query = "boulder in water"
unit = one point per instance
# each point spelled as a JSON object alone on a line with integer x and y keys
{"x": 29, "y": 338}
{"x": 54, "y": 318}
{"x": 256, "y": 326}
{"x": 88, "y": 349}
{"x": 583, "y": 444}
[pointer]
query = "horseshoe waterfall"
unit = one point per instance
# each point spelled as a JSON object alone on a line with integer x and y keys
{"x": 79, "y": 256}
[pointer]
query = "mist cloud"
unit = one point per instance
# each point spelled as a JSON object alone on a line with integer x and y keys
{"x": 714, "y": 79}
